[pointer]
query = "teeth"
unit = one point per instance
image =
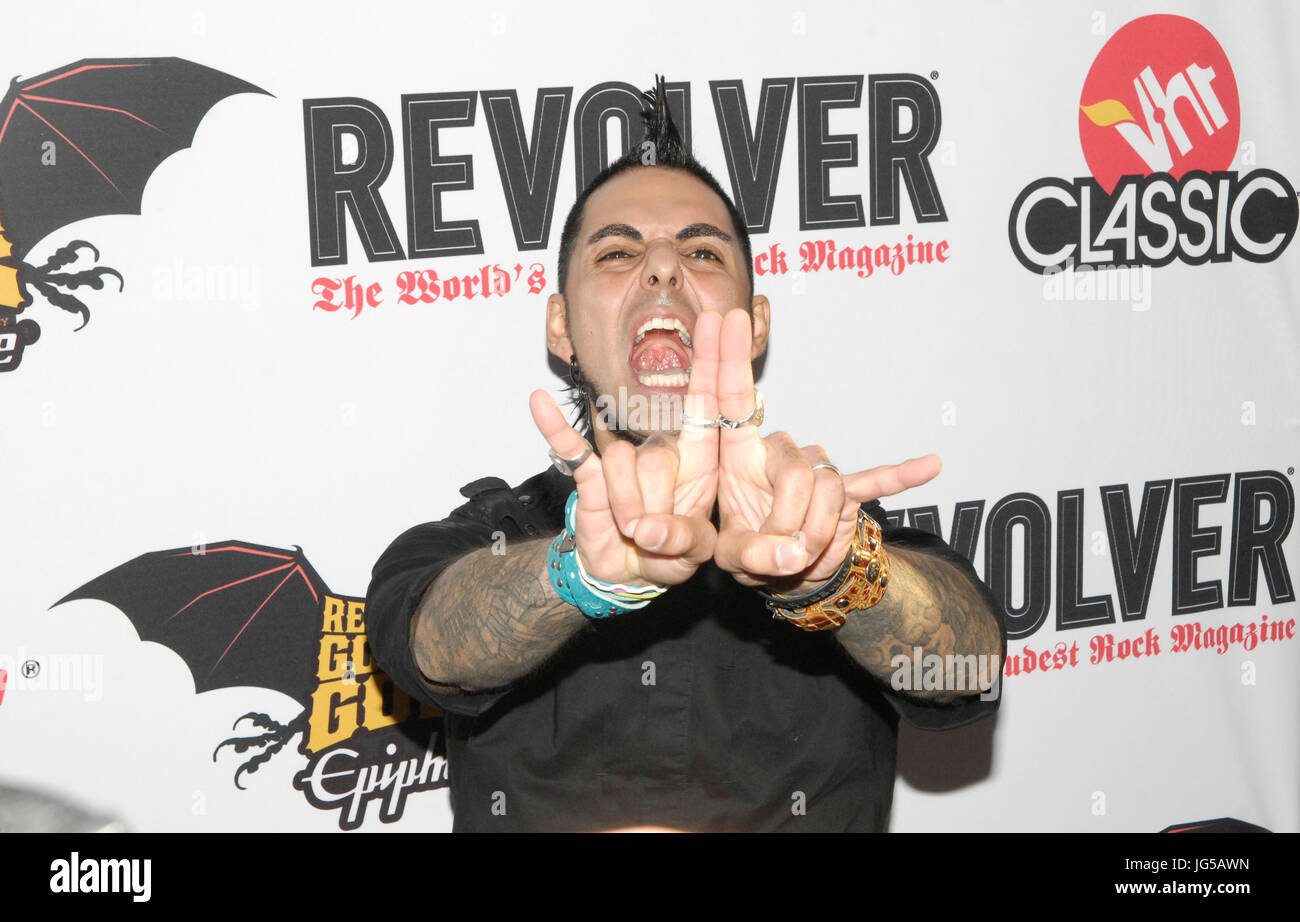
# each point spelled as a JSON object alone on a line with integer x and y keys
{"x": 676, "y": 379}
{"x": 664, "y": 323}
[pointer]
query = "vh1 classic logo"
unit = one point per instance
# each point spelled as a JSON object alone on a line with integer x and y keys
{"x": 1159, "y": 124}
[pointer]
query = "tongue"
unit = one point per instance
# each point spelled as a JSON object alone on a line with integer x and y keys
{"x": 658, "y": 353}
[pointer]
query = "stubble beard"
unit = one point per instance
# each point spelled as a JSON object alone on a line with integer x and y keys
{"x": 609, "y": 409}
{"x": 589, "y": 393}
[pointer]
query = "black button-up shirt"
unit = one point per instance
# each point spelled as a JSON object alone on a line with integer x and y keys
{"x": 697, "y": 712}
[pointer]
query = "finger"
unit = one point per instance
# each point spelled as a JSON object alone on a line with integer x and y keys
{"x": 656, "y": 473}
{"x": 622, "y": 486}
{"x": 736, "y": 372}
{"x": 702, "y": 391}
{"x": 826, "y": 508}
{"x": 689, "y": 537}
{"x": 760, "y": 555}
{"x": 791, "y": 476}
{"x": 890, "y": 479}
{"x": 562, "y": 437}
{"x": 569, "y": 443}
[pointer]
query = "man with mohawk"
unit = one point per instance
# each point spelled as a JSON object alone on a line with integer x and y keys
{"x": 694, "y": 626}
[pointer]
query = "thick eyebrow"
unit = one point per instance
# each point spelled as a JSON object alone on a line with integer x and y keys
{"x": 686, "y": 233}
{"x": 703, "y": 230}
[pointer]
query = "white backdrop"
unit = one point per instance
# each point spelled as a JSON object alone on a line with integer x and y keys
{"x": 209, "y": 401}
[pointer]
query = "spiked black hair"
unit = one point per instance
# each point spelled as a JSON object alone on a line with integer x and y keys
{"x": 665, "y": 149}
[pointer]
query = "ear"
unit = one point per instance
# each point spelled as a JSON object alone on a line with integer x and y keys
{"x": 761, "y": 318}
{"x": 557, "y": 328}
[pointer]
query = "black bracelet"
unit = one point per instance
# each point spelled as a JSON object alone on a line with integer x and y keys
{"x": 827, "y": 589}
{"x": 775, "y": 600}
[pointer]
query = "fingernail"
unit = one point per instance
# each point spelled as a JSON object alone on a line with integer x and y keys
{"x": 655, "y": 536}
{"x": 631, "y": 528}
{"x": 790, "y": 557}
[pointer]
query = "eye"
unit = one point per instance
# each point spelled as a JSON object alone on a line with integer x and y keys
{"x": 705, "y": 253}
{"x": 612, "y": 254}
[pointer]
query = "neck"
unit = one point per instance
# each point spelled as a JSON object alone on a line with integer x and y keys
{"x": 602, "y": 437}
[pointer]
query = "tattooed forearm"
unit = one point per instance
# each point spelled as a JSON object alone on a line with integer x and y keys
{"x": 930, "y": 604}
{"x": 489, "y": 620}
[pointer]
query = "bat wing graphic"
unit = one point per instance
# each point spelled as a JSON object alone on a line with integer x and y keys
{"x": 82, "y": 140}
{"x": 237, "y": 613}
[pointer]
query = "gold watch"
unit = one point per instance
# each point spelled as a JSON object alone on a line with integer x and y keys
{"x": 860, "y": 583}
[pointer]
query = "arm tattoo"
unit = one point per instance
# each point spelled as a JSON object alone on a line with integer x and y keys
{"x": 491, "y": 619}
{"x": 930, "y": 604}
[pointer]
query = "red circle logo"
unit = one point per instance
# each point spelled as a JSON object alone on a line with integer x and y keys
{"x": 1160, "y": 98}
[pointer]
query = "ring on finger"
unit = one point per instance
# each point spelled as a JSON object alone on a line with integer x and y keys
{"x": 755, "y": 417}
{"x": 701, "y": 422}
{"x": 565, "y": 465}
{"x": 829, "y": 467}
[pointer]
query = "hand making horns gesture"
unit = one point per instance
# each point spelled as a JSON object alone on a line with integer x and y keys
{"x": 643, "y": 512}
{"x": 781, "y": 519}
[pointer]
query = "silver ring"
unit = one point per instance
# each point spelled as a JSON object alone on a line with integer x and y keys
{"x": 565, "y": 465}
{"x": 755, "y": 416}
{"x": 699, "y": 421}
{"x": 828, "y": 466}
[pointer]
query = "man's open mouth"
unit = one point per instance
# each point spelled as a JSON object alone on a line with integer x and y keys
{"x": 661, "y": 353}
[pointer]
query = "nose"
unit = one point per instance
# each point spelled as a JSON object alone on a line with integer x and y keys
{"x": 662, "y": 268}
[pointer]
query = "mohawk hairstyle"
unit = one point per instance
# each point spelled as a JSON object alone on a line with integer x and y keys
{"x": 663, "y": 147}
{"x": 666, "y": 145}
